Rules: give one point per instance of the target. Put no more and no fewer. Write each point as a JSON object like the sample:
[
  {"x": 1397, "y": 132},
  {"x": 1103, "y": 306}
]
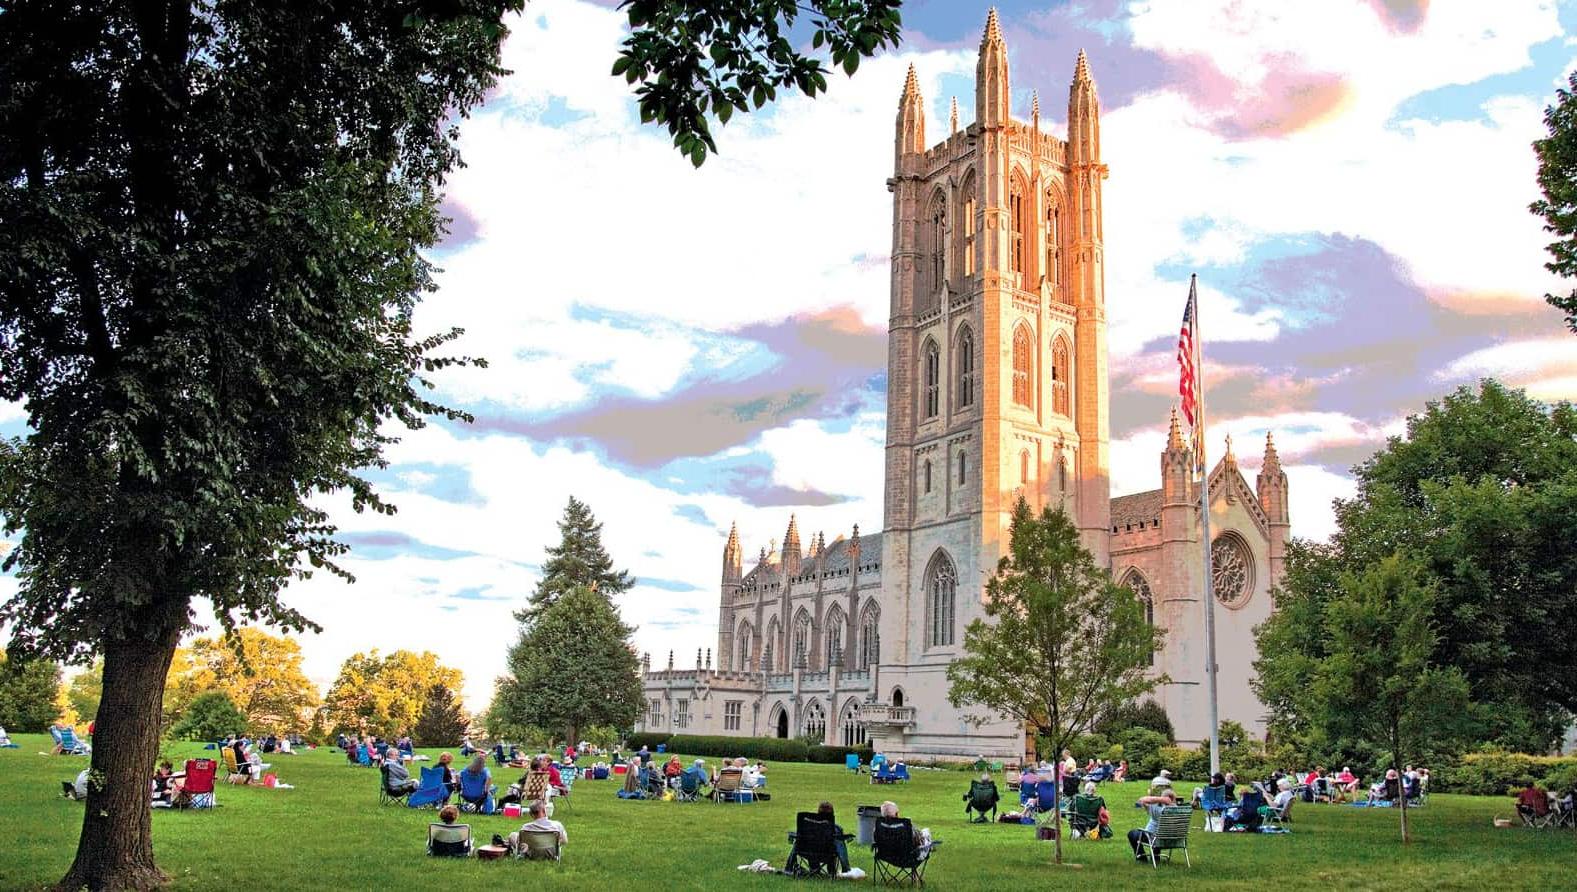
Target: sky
[{"x": 684, "y": 349}]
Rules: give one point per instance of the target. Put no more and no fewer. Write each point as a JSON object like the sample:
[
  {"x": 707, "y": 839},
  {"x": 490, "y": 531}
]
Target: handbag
[{"x": 1104, "y": 818}]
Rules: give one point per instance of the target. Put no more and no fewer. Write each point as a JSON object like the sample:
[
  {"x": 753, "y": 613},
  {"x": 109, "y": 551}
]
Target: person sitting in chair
[
  {"x": 1246, "y": 813},
  {"x": 450, "y": 775},
  {"x": 1154, "y": 804},
  {"x": 540, "y": 821},
  {"x": 166, "y": 786},
  {"x": 1388, "y": 790},
  {"x": 825, "y": 811},
  {"x": 921, "y": 837},
  {"x": 396, "y": 779}
]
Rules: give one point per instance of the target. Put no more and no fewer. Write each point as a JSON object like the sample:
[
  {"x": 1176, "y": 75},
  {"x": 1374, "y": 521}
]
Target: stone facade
[{"x": 997, "y": 388}]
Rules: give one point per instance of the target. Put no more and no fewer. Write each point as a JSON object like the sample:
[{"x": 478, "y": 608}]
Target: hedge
[
  {"x": 1496, "y": 774},
  {"x": 773, "y": 748},
  {"x": 837, "y": 755},
  {"x": 651, "y": 741}
]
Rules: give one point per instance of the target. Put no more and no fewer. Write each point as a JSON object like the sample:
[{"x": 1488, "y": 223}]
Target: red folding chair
[{"x": 198, "y": 790}]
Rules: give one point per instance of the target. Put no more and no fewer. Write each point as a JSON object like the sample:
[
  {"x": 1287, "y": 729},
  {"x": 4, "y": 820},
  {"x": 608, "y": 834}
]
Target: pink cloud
[
  {"x": 1287, "y": 100},
  {"x": 1401, "y": 16}
]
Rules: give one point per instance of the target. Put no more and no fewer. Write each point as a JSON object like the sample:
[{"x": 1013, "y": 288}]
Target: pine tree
[
  {"x": 442, "y": 722},
  {"x": 572, "y": 668},
  {"x": 578, "y": 561}
]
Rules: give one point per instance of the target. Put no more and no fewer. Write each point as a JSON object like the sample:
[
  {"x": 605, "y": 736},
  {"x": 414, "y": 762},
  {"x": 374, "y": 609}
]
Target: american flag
[{"x": 1188, "y": 376}]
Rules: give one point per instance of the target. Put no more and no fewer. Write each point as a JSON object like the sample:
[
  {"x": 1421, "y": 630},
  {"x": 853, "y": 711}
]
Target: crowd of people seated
[{"x": 1546, "y": 808}]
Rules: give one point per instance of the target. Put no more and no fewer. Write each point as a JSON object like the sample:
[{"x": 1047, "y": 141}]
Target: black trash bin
[{"x": 866, "y": 834}]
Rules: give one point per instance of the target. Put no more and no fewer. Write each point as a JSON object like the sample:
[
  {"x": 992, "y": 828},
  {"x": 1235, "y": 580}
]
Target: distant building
[{"x": 997, "y": 386}]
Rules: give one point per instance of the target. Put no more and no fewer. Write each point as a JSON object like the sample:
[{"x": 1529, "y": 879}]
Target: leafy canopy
[
  {"x": 29, "y": 694},
  {"x": 261, "y": 673},
  {"x": 700, "y": 60},
  {"x": 211, "y": 716},
  {"x": 1557, "y": 155},
  {"x": 572, "y": 668},
  {"x": 384, "y": 695}
]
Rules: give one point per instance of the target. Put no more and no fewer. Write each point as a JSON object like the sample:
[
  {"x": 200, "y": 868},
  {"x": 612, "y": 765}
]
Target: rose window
[{"x": 1232, "y": 570}]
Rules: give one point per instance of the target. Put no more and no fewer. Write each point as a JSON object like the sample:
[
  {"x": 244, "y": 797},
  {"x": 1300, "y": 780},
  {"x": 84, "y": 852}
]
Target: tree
[
  {"x": 578, "y": 561},
  {"x": 1068, "y": 644},
  {"x": 573, "y": 667},
  {"x": 211, "y": 716},
  {"x": 261, "y": 673},
  {"x": 86, "y": 689},
  {"x": 29, "y": 690},
  {"x": 697, "y": 60},
  {"x": 1381, "y": 680},
  {"x": 212, "y": 219},
  {"x": 1478, "y": 491},
  {"x": 384, "y": 695},
  {"x": 442, "y": 722},
  {"x": 1557, "y": 155}
]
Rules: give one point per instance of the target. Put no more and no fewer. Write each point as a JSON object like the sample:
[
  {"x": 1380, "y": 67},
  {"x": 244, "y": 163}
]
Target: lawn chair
[
  {"x": 449, "y": 840},
  {"x": 1043, "y": 801},
  {"x": 1277, "y": 817},
  {"x": 898, "y": 858},
  {"x": 982, "y": 797},
  {"x": 363, "y": 755},
  {"x": 877, "y": 762},
  {"x": 197, "y": 791},
  {"x": 1565, "y": 811},
  {"x": 690, "y": 783},
  {"x": 539, "y": 785},
  {"x": 1414, "y": 790},
  {"x": 1539, "y": 815},
  {"x": 538, "y": 845},
  {"x": 729, "y": 782},
  {"x": 432, "y": 790},
  {"x": 234, "y": 773},
  {"x": 1085, "y": 817},
  {"x": 476, "y": 793},
  {"x": 71, "y": 745},
  {"x": 815, "y": 846},
  {"x": 1171, "y": 834},
  {"x": 1213, "y": 802},
  {"x": 851, "y": 761},
  {"x": 387, "y": 796}
]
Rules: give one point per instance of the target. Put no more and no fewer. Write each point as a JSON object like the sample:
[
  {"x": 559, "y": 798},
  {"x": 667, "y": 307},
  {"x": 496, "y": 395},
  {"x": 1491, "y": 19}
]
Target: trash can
[{"x": 866, "y": 834}]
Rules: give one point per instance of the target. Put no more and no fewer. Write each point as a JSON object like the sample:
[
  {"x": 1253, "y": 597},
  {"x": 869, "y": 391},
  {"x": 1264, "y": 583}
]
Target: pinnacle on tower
[
  {"x": 911, "y": 85},
  {"x": 733, "y": 555},
  {"x": 991, "y": 76},
  {"x": 994, "y": 29},
  {"x": 1034, "y": 107},
  {"x": 1272, "y": 459},
  {"x": 1229, "y": 458},
  {"x": 1174, "y": 434},
  {"x": 911, "y": 117},
  {"x": 953, "y": 117},
  {"x": 1081, "y": 70}
]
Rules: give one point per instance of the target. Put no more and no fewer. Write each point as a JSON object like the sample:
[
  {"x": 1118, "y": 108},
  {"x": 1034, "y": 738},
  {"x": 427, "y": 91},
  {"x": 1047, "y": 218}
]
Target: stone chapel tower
[{"x": 997, "y": 379}]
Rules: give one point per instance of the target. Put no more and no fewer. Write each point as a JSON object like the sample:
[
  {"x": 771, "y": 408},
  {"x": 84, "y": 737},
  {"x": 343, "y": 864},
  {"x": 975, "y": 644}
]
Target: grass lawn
[{"x": 330, "y": 833}]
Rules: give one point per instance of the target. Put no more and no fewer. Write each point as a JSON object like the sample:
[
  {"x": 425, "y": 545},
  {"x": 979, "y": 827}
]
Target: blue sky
[{"x": 685, "y": 349}]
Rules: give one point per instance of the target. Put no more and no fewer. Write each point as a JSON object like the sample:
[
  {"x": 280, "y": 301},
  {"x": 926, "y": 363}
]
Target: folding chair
[
  {"x": 1084, "y": 817},
  {"x": 234, "y": 774},
  {"x": 814, "y": 850},
  {"x": 898, "y": 858},
  {"x": 71, "y": 745},
  {"x": 476, "y": 792},
  {"x": 1043, "y": 802},
  {"x": 727, "y": 787},
  {"x": 387, "y": 796},
  {"x": 431, "y": 791},
  {"x": 1277, "y": 817},
  {"x": 197, "y": 790},
  {"x": 1213, "y": 802},
  {"x": 1565, "y": 811},
  {"x": 449, "y": 840},
  {"x": 982, "y": 797},
  {"x": 363, "y": 755},
  {"x": 690, "y": 783},
  {"x": 538, "y": 844},
  {"x": 1171, "y": 834},
  {"x": 851, "y": 761},
  {"x": 538, "y": 786},
  {"x": 1539, "y": 816}
]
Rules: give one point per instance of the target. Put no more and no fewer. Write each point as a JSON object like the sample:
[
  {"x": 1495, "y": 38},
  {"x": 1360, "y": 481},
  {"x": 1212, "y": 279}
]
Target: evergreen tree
[
  {"x": 572, "y": 668},
  {"x": 578, "y": 561},
  {"x": 1067, "y": 643},
  {"x": 442, "y": 722},
  {"x": 1558, "y": 181},
  {"x": 29, "y": 691}
]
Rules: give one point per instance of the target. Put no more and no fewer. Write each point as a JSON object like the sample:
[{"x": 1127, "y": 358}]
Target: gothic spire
[
  {"x": 1084, "y": 116},
  {"x": 911, "y": 116},
  {"x": 1034, "y": 107},
  {"x": 1229, "y": 458},
  {"x": 792, "y": 553},
  {"x": 1081, "y": 70},
  {"x": 1272, "y": 460},
  {"x": 953, "y": 117},
  {"x": 992, "y": 105},
  {"x": 733, "y": 555},
  {"x": 1174, "y": 434}
]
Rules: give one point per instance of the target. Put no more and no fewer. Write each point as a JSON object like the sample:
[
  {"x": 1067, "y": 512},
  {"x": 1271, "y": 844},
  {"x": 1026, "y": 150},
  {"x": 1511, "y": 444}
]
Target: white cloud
[{"x": 10, "y": 412}]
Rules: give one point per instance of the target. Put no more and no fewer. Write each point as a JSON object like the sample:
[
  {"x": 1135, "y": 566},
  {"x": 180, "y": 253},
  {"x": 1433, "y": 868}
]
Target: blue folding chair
[
  {"x": 1045, "y": 800},
  {"x": 432, "y": 790},
  {"x": 476, "y": 792},
  {"x": 1213, "y": 801},
  {"x": 70, "y": 745},
  {"x": 363, "y": 757},
  {"x": 851, "y": 761}
]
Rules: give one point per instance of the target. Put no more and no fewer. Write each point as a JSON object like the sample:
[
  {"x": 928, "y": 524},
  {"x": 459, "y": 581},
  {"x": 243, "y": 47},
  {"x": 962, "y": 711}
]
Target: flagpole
[{"x": 1204, "y": 523}]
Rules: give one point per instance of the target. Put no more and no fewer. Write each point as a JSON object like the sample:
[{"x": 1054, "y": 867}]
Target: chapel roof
[{"x": 1139, "y": 507}]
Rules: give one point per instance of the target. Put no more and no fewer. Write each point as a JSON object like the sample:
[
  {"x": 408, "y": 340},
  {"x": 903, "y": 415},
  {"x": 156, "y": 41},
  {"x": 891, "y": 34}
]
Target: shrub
[
  {"x": 1148, "y": 714},
  {"x": 210, "y": 716},
  {"x": 1185, "y": 762},
  {"x": 835, "y": 755},
  {"x": 1142, "y": 749},
  {"x": 770, "y": 748},
  {"x": 1090, "y": 746},
  {"x": 634, "y": 742},
  {"x": 1496, "y": 773}
]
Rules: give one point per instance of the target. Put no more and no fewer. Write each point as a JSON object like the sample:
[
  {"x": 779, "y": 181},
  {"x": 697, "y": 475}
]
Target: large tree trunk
[{"x": 116, "y": 847}]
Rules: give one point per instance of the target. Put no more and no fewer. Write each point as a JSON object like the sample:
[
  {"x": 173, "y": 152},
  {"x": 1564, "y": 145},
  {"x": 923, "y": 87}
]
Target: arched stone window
[
  {"x": 1059, "y": 377},
  {"x": 849, "y": 724},
  {"x": 769, "y": 648},
  {"x": 898, "y": 697},
  {"x": 941, "y": 587},
  {"x": 815, "y": 721},
  {"x": 1017, "y": 212},
  {"x": 802, "y": 640},
  {"x": 936, "y": 245},
  {"x": 1053, "y": 238},
  {"x": 967, "y": 245},
  {"x": 833, "y": 633},
  {"x": 870, "y": 638},
  {"x": 746, "y": 647},
  {"x": 1023, "y": 365},
  {"x": 933, "y": 379},
  {"x": 1141, "y": 587},
  {"x": 965, "y": 353},
  {"x": 1231, "y": 569}
]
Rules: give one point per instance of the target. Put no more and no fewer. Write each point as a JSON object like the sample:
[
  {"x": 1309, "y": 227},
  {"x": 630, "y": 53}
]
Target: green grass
[{"x": 329, "y": 832}]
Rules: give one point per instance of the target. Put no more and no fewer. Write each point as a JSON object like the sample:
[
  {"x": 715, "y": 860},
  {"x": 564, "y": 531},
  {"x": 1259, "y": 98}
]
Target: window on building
[
  {"x": 969, "y": 228},
  {"x": 933, "y": 379},
  {"x": 1141, "y": 587},
  {"x": 870, "y": 640},
  {"x": 963, "y": 465},
  {"x": 802, "y": 640},
  {"x": 1023, "y": 466},
  {"x": 966, "y": 368},
  {"x": 655, "y": 714},
  {"x": 1016, "y": 213},
  {"x": 746, "y": 648},
  {"x": 815, "y": 721},
  {"x": 942, "y": 593},
  {"x": 1023, "y": 365},
  {"x": 681, "y": 713},
  {"x": 733, "y": 710},
  {"x": 925, "y": 472},
  {"x": 769, "y": 648},
  {"x": 1053, "y": 239},
  {"x": 938, "y": 243},
  {"x": 849, "y": 723},
  {"x": 1059, "y": 377},
  {"x": 834, "y": 636}
]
